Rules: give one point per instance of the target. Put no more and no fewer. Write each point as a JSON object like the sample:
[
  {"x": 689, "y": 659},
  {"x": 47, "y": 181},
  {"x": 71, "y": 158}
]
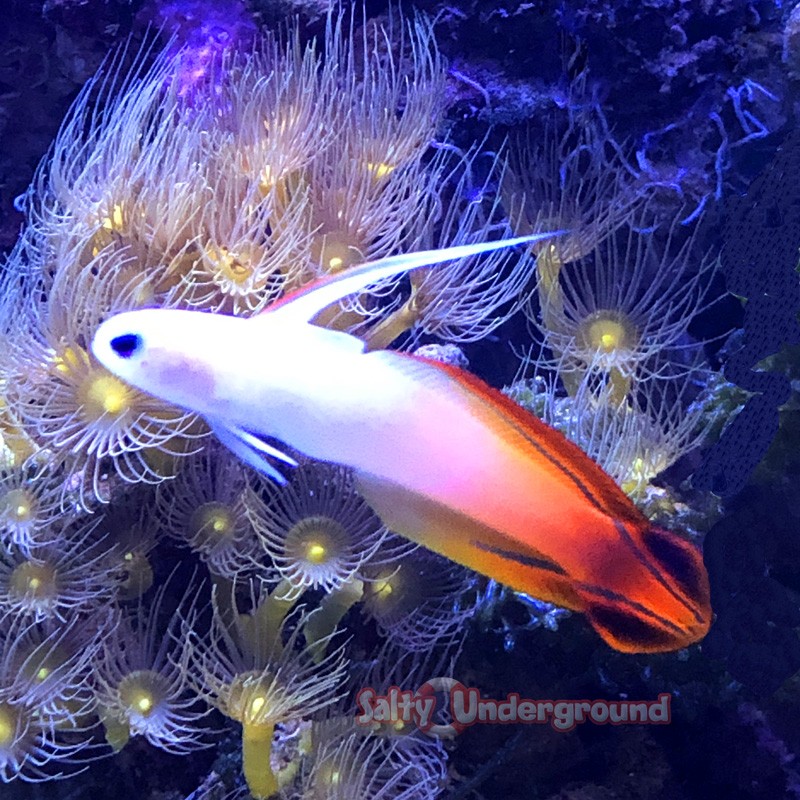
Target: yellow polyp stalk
[
  {"x": 395, "y": 325},
  {"x": 334, "y": 318},
  {"x": 257, "y": 759},
  {"x": 322, "y": 623},
  {"x": 278, "y": 604},
  {"x": 619, "y": 387},
  {"x": 14, "y": 438},
  {"x": 261, "y": 629},
  {"x": 117, "y": 733},
  {"x": 19, "y": 446},
  {"x": 551, "y": 301},
  {"x": 224, "y": 596}
]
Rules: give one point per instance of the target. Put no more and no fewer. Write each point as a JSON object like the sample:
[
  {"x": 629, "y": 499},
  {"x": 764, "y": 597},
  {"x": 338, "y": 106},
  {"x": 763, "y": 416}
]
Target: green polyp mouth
[
  {"x": 212, "y": 523},
  {"x": 316, "y": 540},
  {"x": 8, "y": 724},
  {"x": 608, "y": 335},
  {"x": 34, "y": 580},
  {"x": 18, "y": 506}
]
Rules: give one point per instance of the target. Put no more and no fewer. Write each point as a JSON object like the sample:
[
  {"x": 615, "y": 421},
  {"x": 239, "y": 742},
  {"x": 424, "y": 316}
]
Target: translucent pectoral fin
[{"x": 251, "y": 449}]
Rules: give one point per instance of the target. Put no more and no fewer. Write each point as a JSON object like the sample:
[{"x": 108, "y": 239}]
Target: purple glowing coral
[{"x": 202, "y": 32}]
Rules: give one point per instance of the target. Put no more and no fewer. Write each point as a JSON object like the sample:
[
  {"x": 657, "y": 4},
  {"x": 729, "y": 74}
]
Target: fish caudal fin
[{"x": 634, "y": 622}]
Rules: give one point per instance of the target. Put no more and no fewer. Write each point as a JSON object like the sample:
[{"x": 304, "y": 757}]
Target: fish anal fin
[{"x": 468, "y": 542}]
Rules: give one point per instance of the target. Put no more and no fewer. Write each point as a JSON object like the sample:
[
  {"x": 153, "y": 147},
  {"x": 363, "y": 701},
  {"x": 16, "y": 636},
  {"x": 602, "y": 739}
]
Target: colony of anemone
[
  {"x": 141, "y": 684},
  {"x": 222, "y": 190},
  {"x": 612, "y": 364}
]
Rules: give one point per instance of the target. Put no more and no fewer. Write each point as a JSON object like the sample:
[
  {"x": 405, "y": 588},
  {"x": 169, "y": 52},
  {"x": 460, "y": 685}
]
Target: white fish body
[{"x": 277, "y": 375}]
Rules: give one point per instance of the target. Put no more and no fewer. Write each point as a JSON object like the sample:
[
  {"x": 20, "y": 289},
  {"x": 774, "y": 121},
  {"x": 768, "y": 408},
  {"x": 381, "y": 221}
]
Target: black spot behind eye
[{"x": 127, "y": 345}]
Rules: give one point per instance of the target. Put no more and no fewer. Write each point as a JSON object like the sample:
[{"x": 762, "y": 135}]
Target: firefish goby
[{"x": 443, "y": 458}]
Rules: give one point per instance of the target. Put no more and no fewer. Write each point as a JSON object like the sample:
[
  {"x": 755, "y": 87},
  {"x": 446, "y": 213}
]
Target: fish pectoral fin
[{"x": 251, "y": 448}]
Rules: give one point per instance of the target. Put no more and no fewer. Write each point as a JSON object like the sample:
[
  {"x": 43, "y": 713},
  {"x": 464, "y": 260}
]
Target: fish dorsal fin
[
  {"x": 251, "y": 449},
  {"x": 304, "y": 304}
]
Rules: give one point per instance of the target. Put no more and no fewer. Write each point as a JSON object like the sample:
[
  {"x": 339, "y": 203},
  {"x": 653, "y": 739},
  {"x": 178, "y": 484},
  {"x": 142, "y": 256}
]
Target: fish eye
[{"x": 127, "y": 345}]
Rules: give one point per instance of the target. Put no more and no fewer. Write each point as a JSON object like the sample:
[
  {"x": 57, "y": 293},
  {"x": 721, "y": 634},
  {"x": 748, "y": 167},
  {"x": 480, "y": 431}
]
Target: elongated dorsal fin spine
[{"x": 304, "y": 304}]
